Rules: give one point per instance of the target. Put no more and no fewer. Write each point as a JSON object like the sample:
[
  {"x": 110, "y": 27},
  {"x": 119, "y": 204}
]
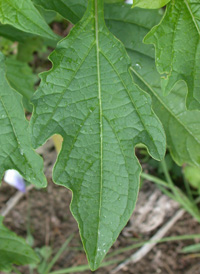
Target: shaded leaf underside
[
  {"x": 70, "y": 9},
  {"x": 22, "y": 79},
  {"x": 90, "y": 99}
]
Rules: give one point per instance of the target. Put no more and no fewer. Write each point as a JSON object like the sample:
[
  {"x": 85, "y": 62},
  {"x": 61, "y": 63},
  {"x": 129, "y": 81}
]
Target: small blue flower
[
  {"x": 13, "y": 178},
  {"x": 129, "y": 2}
]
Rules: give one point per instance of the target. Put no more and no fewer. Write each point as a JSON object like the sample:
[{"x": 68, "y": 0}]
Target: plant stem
[
  {"x": 188, "y": 190},
  {"x": 166, "y": 173},
  {"x": 179, "y": 196},
  {"x": 154, "y": 180},
  {"x": 166, "y": 239},
  {"x": 58, "y": 254}
]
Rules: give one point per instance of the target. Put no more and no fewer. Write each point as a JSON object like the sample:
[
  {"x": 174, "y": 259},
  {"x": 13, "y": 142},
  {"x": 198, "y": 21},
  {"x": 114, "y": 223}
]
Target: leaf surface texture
[
  {"x": 89, "y": 98},
  {"x": 153, "y": 4}
]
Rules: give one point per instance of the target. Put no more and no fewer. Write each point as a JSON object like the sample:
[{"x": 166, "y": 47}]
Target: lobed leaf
[
  {"x": 14, "y": 250},
  {"x": 15, "y": 146},
  {"x": 177, "y": 42},
  {"x": 89, "y": 98},
  {"x": 182, "y": 127},
  {"x": 153, "y": 4},
  {"x": 24, "y": 16}
]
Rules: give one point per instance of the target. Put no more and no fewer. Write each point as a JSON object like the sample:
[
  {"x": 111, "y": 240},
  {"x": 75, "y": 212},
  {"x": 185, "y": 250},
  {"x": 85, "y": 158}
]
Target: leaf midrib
[{"x": 100, "y": 116}]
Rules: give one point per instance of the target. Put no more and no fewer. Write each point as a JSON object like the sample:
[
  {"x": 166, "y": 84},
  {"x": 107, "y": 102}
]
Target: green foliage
[
  {"x": 47, "y": 262},
  {"x": 90, "y": 99},
  {"x": 72, "y": 10},
  {"x": 22, "y": 79},
  {"x": 192, "y": 174},
  {"x": 180, "y": 124},
  {"x": 28, "y": 47},
  {"x": 48, "y": 15},
  {"x": 191, "y": 248},
  {"x": 114, "y": 1},
  {"x": 177, "y": 40},
  {"x": 13, "y": 34},
  {"x": 15, "y": 147},
  {"x": 24, "y": 16},
  {"x": 153, "y": 4},
  {"x": 14, "y": 250}
]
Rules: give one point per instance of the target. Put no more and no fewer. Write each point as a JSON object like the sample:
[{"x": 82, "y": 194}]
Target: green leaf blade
[
  {"x": 71, "y": 10},
  {"x": 15, "y": 146},
  {"x": 153, "y": 4},
  {"x": 24, "y": 16},
  {"x": 13, "y": 34},
  {"x": 90, "y": 99},
  {"x": 14, "y": 250},
  {"x": 177, "y": 59},
  {"x": 22, "y": 79}
]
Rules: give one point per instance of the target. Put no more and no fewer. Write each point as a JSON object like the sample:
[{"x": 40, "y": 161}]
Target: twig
[
  {"x": 13, "y": 201},
  {"x": 143, "y": 251}
]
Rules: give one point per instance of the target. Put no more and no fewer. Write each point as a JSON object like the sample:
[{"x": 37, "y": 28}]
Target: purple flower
[{"x": 13, "y": 178}]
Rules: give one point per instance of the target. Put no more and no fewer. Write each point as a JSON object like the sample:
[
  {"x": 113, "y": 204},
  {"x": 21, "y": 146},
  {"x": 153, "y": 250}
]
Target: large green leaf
[
  {"x": 182, "y": 127},
  {"x": 15, "y": 146},
  {"x": 24, "y": 16},
  {"x": 177, "y": 42},
  {"x": 22, "y": 79},
  {"x": 153, "y": 4},
  {"x": 90, "y": 99},
  {"x": 14, "y": 250}
]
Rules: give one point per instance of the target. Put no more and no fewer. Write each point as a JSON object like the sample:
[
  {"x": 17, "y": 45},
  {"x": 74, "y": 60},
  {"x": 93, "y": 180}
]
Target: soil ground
[{"x": 47, "y": 214}]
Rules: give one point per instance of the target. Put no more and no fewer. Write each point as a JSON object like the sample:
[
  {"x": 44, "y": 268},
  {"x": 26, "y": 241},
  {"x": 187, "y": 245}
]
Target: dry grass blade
[{"x": 143, "y": 251}]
